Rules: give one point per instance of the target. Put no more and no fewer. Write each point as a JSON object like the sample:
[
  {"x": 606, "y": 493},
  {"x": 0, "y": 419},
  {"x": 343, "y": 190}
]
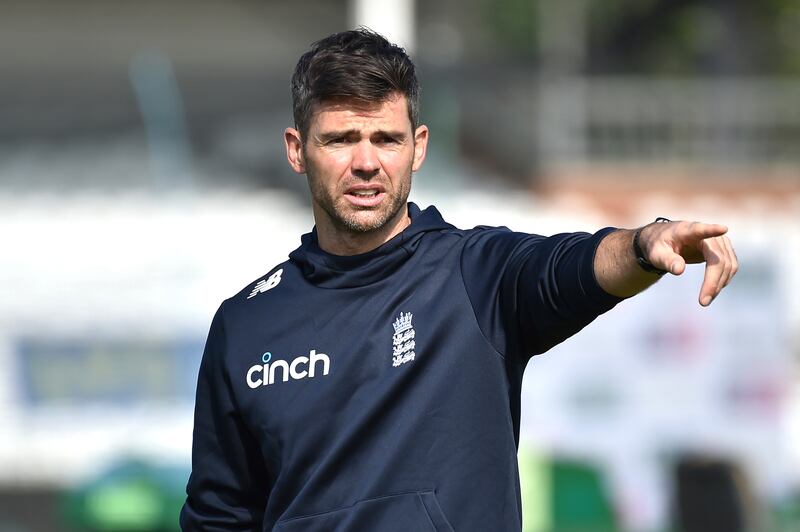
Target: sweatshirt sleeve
[
  {"x": 531, "y": 292},
  {"x": 228, "y": 486}
]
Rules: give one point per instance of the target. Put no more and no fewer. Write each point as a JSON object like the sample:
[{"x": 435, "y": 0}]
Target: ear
[
  {"x": 294, "y": 150},
  {"x": 420, "y": 147}
]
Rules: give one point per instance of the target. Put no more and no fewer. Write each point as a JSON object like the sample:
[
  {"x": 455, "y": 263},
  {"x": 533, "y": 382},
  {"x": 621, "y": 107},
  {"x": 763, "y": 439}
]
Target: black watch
[{"x": 637, "y": 250}]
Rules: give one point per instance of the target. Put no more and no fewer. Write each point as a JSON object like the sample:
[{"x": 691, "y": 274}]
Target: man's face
[{"x": 358, "y": 160}]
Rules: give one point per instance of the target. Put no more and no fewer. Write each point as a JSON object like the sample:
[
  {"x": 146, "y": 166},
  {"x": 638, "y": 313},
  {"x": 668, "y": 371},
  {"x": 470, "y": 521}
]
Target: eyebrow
[{"x": 330, "y": 135}]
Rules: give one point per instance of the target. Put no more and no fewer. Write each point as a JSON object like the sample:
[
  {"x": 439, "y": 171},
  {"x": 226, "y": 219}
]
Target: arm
[
  {"x": 667, "y": 246},
  {"x": 229, "y": 484},
  {"x": 530, "y": 292}
]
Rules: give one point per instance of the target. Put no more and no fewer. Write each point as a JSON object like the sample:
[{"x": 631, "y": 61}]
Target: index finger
[{"x": 703, "y": 230}]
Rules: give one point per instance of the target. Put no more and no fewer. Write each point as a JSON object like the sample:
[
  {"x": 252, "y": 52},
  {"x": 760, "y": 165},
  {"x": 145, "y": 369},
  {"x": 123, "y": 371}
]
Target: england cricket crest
[{"x": 403, "y": 339}]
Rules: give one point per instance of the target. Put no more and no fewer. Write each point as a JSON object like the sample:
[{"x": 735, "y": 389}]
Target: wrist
[{"x": 638, "y": 252}]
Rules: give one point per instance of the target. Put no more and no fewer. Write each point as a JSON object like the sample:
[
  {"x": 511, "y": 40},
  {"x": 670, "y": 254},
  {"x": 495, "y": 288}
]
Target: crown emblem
[
  {"x": 403, "y": 340},
  {"x": 402, "y": 323}
]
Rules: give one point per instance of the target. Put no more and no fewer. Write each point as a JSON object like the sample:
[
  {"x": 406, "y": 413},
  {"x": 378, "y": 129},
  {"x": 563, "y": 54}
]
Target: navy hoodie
[{"x": 381, "y": 391}]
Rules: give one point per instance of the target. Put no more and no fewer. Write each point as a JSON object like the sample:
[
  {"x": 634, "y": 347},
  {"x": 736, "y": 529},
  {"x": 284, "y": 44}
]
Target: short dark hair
[{"x": 359, "y": 65}]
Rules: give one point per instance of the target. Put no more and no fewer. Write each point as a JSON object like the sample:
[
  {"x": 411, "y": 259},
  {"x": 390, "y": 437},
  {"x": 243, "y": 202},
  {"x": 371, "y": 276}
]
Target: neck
[{"x": 337, "y": 241}]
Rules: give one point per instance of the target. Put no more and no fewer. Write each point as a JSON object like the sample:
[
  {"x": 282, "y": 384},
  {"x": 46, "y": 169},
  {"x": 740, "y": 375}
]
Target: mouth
[{"x": 365, "y": 195}]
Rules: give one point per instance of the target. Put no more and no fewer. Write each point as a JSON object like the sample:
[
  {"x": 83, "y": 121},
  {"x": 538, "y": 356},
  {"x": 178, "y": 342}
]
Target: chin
[
  {"x": 365, "y": 224},
  {"x": 366, "y": 221},
  {"x": 363, "y": 220}
]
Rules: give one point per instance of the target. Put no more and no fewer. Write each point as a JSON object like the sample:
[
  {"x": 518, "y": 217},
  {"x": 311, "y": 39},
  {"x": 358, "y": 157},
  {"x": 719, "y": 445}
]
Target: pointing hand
[{"x": 671, "y": 246}]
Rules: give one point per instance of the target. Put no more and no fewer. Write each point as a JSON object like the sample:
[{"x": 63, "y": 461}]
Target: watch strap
[{"x": 643, "y": 263}]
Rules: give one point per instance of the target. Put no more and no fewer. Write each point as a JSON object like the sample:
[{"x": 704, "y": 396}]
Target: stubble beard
[{"x": 350, "y": 218}]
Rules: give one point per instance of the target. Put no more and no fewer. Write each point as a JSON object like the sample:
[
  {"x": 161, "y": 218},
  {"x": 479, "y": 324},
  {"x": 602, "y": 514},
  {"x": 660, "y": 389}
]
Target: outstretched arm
[{"x": 670, "y": 247}]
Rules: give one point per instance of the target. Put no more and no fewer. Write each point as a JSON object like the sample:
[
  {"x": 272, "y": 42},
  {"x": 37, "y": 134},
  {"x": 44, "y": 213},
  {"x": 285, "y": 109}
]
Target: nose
[{"x": 365, "y": 162}]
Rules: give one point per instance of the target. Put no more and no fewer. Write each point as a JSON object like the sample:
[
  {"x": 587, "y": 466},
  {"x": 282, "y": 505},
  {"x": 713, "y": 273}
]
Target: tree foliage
[{"x": 665, "y": 37}]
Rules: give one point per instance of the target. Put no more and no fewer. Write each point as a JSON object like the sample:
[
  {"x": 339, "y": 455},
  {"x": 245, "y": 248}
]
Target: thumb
[
  {"x": 676, "y": 265},
  {"x": 665, "y": 258}
]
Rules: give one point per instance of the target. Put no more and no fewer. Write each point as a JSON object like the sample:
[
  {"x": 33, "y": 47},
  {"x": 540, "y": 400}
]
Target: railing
[{"x": 734, "y": 121}]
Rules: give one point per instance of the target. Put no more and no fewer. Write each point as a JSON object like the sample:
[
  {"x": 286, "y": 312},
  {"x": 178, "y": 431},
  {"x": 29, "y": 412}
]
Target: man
[{"x": 372, "y": 381}]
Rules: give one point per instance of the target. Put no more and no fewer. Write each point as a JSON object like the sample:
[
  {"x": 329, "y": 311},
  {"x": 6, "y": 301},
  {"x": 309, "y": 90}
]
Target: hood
[{"x": 335, "y": 271}]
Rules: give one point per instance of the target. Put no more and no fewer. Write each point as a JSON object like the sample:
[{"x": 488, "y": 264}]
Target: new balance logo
[{"x": 266, "y": 284}]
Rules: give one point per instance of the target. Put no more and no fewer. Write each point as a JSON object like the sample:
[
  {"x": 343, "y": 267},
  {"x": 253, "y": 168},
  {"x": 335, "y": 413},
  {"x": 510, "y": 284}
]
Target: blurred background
[{"x": 143, "y": 180}]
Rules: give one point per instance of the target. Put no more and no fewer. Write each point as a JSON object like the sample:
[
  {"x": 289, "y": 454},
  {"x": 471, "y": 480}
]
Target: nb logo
[{"x": 266, "y": 284}]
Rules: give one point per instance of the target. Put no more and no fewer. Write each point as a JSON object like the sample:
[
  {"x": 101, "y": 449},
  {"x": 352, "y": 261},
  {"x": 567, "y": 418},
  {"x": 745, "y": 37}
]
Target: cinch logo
[{"x": 264, "y": 374}]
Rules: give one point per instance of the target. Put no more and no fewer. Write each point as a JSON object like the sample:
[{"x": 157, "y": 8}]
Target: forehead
[{"x": 391, "y": 113}]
